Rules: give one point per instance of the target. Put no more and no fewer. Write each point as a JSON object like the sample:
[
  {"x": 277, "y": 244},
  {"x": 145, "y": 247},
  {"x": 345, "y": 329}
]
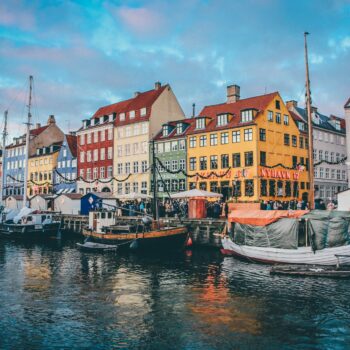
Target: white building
[{"x": 68, "y": 203}]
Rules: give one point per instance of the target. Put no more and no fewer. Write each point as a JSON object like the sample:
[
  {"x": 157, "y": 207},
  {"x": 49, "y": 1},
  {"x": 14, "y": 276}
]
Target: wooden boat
[
  {"x": 37, "y": 224},
  {"x": 138, "y": 234},
  {"x": 97, "y": 247},
  {"x": 301, "y": 255},
  {"x": 311, "y": 271}
]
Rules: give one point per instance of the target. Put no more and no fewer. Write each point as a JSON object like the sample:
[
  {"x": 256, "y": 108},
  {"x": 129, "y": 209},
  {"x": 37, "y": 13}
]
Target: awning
[{"x": 195, "y": 193}]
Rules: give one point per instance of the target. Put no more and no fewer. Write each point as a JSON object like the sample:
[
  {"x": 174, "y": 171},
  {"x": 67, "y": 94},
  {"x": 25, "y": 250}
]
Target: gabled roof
[
  {"x": 296, "y": 117},
  {"x": 173, "y": 134},
  {"x": 258, "y": 103},
  {"x": 72, "y": 144},
  {"x": 38, "y": 131},
  {"x": 141, "y": 100},
  {"x": 347, "y": 104}
]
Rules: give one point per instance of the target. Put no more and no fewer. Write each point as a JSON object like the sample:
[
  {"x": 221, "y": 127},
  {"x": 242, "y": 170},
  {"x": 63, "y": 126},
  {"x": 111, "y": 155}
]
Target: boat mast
[
  {"x": 4, "y": 136},
  {"x": 28, "y": 124},
  {"x": 310, "y": 133},
  {"x": 154, "y": 179}
]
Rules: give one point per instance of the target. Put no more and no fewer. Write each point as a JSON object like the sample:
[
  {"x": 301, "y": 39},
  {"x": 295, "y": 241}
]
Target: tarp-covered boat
[{"x": 290, "y": 237}]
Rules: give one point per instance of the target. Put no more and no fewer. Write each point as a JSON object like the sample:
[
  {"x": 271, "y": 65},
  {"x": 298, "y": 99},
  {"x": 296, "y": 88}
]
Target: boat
[
  {"x": 97, "y": 247},
  {"x": 29, "y": 224},
  {"x": 144, "y": 233},
  {"x": 311, "y": 271},
  {"x": 282, "y": 237}
]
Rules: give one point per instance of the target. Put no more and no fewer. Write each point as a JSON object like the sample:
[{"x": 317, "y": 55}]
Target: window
[
  {"x": 102, "y": 153},
  {"x": 120, "y": 168},
  {"x": 127, "y": 188},
  {"x": 236, "y": 160},
  {"x": 263, "y": 188},
  {"x": 110, "y": 134},
  {"x": 144, "y": 166},
  {"x": 128, "y": 131},
  {"x": 236, "y": 136},
  {"x": 295, "y": 161},
  {"x": 286, "y": 139},
  {"x": 88, "y": 156},
  {"x": 144, "y": 187},
  {"x": 249, "y": 188},
  {"x": 248, "y": 158},
  {"x": 102, "y": 135},
  {"x": 88, "y": 138},
  {"x": 222, "y": 119},
  {"x": 143, "y": 112},
  {"x": 136, "y": 167},
  {"x": 262, "y": 134},
  {"x": 213, "y": 162},
  {"x": 225, "y": 161},
  {"x": 338, "y": 174},
  {"x": 144, "y": 128},
  {"x": 320, "y": 155},
  {"x": 343, "y": 175},
  {"x": 246, "y": 116},
  {"x": 278, "y": 104},
  {"x": 82, "y": 139},
  {"x": 182, "y": 185},
  {"x": 179, "y": 128},
  {"x": 262, "y": 158},
  {"x": 120, "y": 151},
  {"x": 95, "y": 136},
  {"x": 182, "y": 164},
  {"x": 136, "y": 129},
  {"x": 174, "y": 146},
  {"x": 82, "y": 157},
  {"x": 248, "y": 134},
  {"x": 200, "y": 123},
  {"x": 294, "y": 141},
  {"x": 337, "y": 158},
  {"x": 102, "y": 172},
  {"x": 213, "y": 139},
  {"x": 332, "y": 173},
  {"x": 270, "y": 116},
  {"x": 88, "y": 174},
  {"x": 182, "y": 145},
  {"x": 122, "y": 116},
  {"x": 224, "y": 138},
  {"x": 167, "y": 146},
  {"x": 301, "y": 142},
  {"x": 286, "y": 119},
  {"x": 193, "y": 141},
  {"x": 165, "y": 130},
  {"x": 203, "y": 163},
  {"x": 95, "y": 155},
  {"x": 278, "y": 118},
  {"x": 167, "y": 165},
  {"x": 321, "y": 173},
  {"x": 326, "y": 153},
  {"x": 193, "y": 163},
  {"x": 127, "y": 168},
  {"x": 174, "y": 185},
  {"x": 327, "y": 173},
  {"x": 202, "y": 141},
  {"x": 135, "y": 187},
  {"x": 132, "y": 114},
  {"x": 110, "y": 153},
  {"x": 174, "y": 165}
]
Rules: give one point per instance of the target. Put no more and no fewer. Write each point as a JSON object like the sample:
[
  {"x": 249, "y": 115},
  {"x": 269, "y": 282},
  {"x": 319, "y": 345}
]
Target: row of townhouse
[{"x": 248, "y": 149}]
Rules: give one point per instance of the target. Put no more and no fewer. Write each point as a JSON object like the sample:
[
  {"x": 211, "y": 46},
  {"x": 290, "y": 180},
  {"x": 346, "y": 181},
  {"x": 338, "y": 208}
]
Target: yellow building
[
  {"x": 41, "y": 168},
  {"x": 249, "y": 149}
]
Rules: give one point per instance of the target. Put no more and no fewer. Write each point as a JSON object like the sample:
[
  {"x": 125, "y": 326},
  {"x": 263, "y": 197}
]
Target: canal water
[{"x": 53, "y": 296}]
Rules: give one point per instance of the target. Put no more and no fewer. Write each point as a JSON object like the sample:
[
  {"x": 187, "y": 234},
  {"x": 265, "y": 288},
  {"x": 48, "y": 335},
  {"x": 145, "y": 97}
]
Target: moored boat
[{"x": 311, "y": 271}]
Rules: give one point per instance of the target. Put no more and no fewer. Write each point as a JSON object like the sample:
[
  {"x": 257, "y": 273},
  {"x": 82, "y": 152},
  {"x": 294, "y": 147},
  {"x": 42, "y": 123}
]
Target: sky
[{"x": 87, "y": 54}]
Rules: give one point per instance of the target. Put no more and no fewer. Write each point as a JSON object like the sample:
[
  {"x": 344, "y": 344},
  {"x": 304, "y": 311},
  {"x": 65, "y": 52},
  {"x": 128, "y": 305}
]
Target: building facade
[
  {"x": 329, "y": 145},
  {"x": 249, "y": 150},
  {"x": 95, "y": 154},
  {"x": 137, "y": 121},
  {"x": 41, "y": 170},
  {"x": 347, "y": 122},
  {"x": 171, "y": 149},
  {"x": 14, "y": 161},
  {"x": 66, "y": 166}
]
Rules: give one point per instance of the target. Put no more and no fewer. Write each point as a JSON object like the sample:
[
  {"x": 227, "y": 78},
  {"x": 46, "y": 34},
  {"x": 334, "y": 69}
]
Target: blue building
[
  {"x": 66, "y": 165},
  {"x": 97, "y": 200}
]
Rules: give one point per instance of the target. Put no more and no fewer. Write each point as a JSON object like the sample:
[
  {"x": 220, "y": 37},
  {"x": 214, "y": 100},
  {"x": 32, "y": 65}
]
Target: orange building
[{"x": 249, "y": 149}]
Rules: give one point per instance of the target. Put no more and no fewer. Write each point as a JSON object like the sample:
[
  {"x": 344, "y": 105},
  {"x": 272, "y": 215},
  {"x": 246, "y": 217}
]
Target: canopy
[
  {"x": 134, "y": 195},
  {"x": 196, "y": 193},
  {"x": 23, "y": 212},
  {"x": 263, "y": 217}
]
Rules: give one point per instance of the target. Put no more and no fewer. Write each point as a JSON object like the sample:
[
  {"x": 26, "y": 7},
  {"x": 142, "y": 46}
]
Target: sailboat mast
[
  {"x": 310, "y": 129},
  {"x": 28, "y": 124},
  {"x": 4, "y": 136},
  {"x": 154, "y": 179}
]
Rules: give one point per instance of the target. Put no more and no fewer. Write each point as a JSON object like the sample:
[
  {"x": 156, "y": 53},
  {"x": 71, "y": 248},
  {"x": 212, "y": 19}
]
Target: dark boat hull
[
  {"x": 164, "y": 240},
  {"x": 30, "y": 231}
]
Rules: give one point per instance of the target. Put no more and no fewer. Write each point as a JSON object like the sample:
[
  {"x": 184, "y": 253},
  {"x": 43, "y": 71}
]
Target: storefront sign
[{"x": 279, "y": 174}]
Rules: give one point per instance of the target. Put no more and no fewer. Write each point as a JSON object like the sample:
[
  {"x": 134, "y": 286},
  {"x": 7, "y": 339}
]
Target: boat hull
[
  {"x": 30, "y": 231},
  {"x": 172, "y": 239},
  {"x": 302, "y": 255}
]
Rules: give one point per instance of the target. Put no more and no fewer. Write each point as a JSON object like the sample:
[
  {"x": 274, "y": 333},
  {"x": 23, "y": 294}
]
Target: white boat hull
[{"x": 302, "y": 255}]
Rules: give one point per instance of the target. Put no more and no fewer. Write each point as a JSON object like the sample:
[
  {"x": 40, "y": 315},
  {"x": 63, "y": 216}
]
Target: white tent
[
  {"x": 134, "y": 196},
  {"x": 196, "y": 193}
]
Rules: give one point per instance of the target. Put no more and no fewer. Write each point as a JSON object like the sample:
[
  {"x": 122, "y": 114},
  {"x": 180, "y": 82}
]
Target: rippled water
[{"x": 54, "y": 296}]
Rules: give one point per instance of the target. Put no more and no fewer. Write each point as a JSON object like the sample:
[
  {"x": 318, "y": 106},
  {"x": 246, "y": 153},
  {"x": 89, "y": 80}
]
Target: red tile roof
[
  {"x": 142, "y": 100},
  {"x": 72, "y": 144},
  {"x": 36, "y": 132},
  {"x": 258, "y": 102},
  {"x": 296, "y": 117},
  {"x": 173, "y": 134}
]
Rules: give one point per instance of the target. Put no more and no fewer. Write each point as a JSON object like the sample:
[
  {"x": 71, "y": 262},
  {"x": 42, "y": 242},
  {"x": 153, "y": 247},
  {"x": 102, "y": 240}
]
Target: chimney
[
  {"x": 37, "y": 125},
  {"x": 136, "y": 93},
  {"x": 157, "y": 85},
  {"x": 193, "y": 110},
  {"x": 51, "y": 120},
  {"x": 291, "y": 104},
  {"x": 233, "y": 93}
]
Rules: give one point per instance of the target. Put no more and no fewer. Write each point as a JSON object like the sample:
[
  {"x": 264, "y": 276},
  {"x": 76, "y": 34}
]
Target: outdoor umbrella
[
  {"x": 196, "y": 193},
  {"x": 134, "y": 195}
]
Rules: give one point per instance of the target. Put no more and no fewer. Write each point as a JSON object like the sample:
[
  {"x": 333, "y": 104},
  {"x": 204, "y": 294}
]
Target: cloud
[{"x": 15, "y": 15}]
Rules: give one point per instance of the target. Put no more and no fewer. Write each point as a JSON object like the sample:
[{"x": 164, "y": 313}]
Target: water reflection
[{"x": 56, "y": 296}]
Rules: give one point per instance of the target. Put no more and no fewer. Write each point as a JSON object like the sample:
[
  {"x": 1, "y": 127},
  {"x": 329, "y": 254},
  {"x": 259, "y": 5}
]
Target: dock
[{"x": 204, "y": 232}]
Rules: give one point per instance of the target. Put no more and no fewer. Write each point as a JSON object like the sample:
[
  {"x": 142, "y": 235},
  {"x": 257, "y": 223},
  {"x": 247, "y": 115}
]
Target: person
[
  {"x": 330, "y": 206},
  {"x": 226, "y": 210}
]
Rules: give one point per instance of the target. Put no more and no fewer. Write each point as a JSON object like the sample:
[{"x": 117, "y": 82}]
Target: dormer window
[
  {"x": 179, "y": 128},
  {"x": 301, "y": 126},
  {"x": 337, "y": 125},
  {"x": 132, "y": 114},
  {"x": 110, "y": 118},
  {"x": 101, "y": 120},
  {"x": 122, "y": 116},
  {"x": 246, "y": 115},
  {"x": 165, "y": 130},
  {"x": 200, "y": 123},
  {"x": 143, "y": 112},
  {"x": 222, "y": 120}
]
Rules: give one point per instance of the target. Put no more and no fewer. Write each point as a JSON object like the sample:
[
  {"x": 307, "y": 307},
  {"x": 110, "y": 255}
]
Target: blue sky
[{"x": 85, "y": 54}]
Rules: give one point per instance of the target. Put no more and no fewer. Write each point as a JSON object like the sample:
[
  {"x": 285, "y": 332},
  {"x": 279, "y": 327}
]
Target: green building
[{"x": 171, "y": 149}]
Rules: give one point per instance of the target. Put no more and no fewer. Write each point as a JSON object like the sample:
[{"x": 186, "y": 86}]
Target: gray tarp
[
  {"x": 328, "y": 229},
  {"x": 280, "y": 234}
]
